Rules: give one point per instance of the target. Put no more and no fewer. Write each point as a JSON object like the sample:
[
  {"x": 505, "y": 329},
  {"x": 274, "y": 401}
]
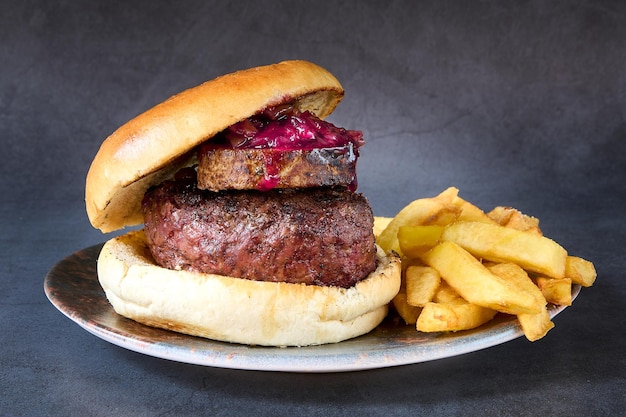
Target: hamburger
[{"x": 253, "y": 231}]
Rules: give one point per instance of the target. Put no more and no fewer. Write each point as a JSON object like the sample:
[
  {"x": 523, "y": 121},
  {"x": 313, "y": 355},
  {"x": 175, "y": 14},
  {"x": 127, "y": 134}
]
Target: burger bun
[{"x": 239, "y": 310}]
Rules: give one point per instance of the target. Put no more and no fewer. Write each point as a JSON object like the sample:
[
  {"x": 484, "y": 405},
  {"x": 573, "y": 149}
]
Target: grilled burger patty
[
  {"x": 264, "y": 169},
  {"x": 319, "y": 236},
  {"x": 280, "y": 148}
]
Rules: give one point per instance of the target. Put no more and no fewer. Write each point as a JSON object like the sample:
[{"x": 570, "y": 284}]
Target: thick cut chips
[
  {"x": 438, "y": 317},
  {"x": 475, "y": 283},
  {"x": 422, "y": 283},
  {"x": 426, "y": 211},
  {"x": 535, "y": 326},
  {"x": 503, "y": 244},
  {"x": 462, "y": 265}
]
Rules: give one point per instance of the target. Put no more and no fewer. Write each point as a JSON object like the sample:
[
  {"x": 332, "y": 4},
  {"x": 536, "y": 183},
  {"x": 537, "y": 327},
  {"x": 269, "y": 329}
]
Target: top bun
[{"x": 154, "y": 145}]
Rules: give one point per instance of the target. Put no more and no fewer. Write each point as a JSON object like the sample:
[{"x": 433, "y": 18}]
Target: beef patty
[
  {"x": 318, "y": 236},
  {"x": 264, "y": 169},
  {"x": 280, "y": 147}
]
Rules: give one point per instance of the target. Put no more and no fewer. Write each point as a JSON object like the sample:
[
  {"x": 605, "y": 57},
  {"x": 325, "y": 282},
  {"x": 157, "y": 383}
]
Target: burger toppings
[
  {"x": 272, "y": 199},
  {"x": 285, "y": 128},
  {"x": 280, "y": 148},
  {"x": 317, "y": 236}
]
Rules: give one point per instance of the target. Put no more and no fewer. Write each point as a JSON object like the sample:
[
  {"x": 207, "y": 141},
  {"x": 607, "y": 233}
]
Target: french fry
[
  {"x": 502, "y": 244},
  {"x": 414, "y": 241},
  {"x": 475, "y": 283},
  {"x": 421, "y": 284},
  {"x": 462, "y": 265},
  {"x": 513, "y": 218},
  {"x": 407, "y": 312},
  {"x": 444, "y": 216},
  {"x": 380, "y": 223},
  {"x": 580, "y": 271},
  {"x": 424, "y": 211},
  {"x": 501, "y": 214},
  {"x": 437, "y": 317},
  {"x": 514, "y": 274},
  {"x": 471, "y": 213},
  {"x": 445, "y": 294},
  {"x": 534, "y": 326},
  {"x": 556, "y": 291}
]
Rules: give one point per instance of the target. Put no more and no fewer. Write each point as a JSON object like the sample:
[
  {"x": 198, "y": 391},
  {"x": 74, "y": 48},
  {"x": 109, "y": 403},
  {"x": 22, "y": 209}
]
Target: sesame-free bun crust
[
  {"x": 154, "y": 145},
  {"x": 239, "y": 310}
]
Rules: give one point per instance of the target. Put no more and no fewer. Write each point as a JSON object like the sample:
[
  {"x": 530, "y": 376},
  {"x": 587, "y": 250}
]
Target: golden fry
[
  {"x": 380, "y": 223},
  {"x": 419, "y": 212},
  {"x": 471, "y": 213},
  {"x": 514, "y": 274},
  {"x": 502, "y": 244},
  {"x": 513, "y": 218},
  {"x": 556, "y": 291},
  {"x": 436, "y": 317},
  {"x": 535, "y": 326},
  {"x": 416, "y": 240},
  {"x": 422, "y": 283},
  {"x": 462, "y": 265},
  {"x": 408, "y": 313},
  {"x": 475, "y": 283},
  {"x": 580, "y": 271},
  {"x": 445, "y": 294}
]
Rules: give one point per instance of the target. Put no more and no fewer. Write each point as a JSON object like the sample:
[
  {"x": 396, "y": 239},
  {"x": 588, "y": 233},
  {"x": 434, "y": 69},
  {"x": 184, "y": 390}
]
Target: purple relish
[{"x": 285, "y": 128}]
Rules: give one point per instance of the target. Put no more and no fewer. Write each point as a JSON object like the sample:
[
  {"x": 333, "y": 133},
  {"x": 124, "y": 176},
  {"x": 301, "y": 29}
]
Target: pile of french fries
[{"x": 461, "y": 266}]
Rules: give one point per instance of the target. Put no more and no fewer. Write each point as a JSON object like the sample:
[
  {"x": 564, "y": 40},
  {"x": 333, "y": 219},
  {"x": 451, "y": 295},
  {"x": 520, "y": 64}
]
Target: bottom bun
[{"x": 239, "y": 310}]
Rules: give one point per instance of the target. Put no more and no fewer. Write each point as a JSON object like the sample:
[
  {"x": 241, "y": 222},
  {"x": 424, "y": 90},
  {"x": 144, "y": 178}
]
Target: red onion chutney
[{"x": 282, "y": 129}]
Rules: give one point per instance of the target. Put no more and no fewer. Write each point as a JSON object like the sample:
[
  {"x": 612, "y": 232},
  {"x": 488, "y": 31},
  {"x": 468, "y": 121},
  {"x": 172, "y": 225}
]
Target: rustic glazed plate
[{"x": 72, "y": 287}]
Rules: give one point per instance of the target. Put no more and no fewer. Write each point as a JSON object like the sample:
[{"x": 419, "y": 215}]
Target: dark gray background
[{"x": 516, "y": 103}]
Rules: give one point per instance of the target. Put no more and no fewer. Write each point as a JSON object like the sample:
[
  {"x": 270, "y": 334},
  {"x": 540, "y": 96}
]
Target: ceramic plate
[{"x": 72, "y": 287}]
